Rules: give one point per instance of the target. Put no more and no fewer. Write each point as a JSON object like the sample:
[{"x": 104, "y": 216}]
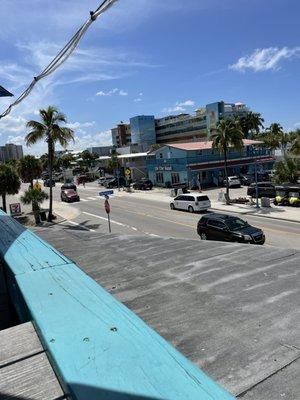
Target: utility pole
[{"x": 256, "y": 187}]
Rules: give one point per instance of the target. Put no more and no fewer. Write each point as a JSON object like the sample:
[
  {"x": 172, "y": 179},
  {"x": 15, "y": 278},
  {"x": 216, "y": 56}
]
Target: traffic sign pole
[
  {"x": 108, "y": 219},
  {"x": 107, "y": 209}
]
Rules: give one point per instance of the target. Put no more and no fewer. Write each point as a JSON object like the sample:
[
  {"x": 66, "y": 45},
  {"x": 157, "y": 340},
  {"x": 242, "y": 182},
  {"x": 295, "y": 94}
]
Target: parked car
[
  {"x": 47, "y": 183},
  {"x": 265, "y": 189},
  {"x": 69, "y": 195},
  {"x": 112, "y": 183},
  {"x": 228, "y": 228},
  {"x": 191, "y": 202},
  {"x": 66, "y": 186},
  {"x": 143, "y": 184},
  {"x": 233, "y": 181},
  {"x": 104, "y": 179},
  {"x": 245, "y": 180}
]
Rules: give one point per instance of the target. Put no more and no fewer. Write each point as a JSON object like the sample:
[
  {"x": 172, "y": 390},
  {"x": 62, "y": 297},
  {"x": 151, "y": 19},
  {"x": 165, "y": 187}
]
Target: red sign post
[{"x": 107, "y": 209}]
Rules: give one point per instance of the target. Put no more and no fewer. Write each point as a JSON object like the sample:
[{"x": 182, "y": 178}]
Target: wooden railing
[{"x": 98, "y": 348}]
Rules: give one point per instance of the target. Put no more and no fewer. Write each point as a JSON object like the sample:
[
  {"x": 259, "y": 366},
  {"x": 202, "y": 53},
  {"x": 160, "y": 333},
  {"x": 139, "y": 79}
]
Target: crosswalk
[{"x": 90, "y": 198}]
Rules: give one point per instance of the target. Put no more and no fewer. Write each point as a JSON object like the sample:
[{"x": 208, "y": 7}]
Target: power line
[{"x": 63, "y": 55}]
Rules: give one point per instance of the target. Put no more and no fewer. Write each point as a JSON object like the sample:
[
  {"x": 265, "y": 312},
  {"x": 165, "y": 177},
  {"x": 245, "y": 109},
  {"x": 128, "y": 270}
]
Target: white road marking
[
  {"x": 77, "y": 224},
  {"x": 105, "y": 219},
  {"x": 91, "y": 198},
  {"x": 83, "y": 199}
]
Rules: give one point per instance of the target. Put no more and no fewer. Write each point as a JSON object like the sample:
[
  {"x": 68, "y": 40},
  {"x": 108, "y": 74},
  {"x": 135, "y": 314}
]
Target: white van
[{"x": 190, "y": 202}]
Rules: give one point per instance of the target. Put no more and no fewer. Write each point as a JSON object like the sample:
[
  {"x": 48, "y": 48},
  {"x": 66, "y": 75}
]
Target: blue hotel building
[{"x": 194, "y": 162}]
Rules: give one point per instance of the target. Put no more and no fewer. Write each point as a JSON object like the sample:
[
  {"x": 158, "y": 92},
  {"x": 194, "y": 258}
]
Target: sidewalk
[{"x": 276, "y": 212}]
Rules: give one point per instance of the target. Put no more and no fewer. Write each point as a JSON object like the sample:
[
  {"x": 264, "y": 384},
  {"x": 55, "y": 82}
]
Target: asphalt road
[{"x": 132, "y": 215}]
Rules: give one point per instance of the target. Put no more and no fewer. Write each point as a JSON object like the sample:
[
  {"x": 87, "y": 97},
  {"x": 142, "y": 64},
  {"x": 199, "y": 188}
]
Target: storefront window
[
  {"x": 175, "y": 177},
  {"x": 159, "y": 177}
]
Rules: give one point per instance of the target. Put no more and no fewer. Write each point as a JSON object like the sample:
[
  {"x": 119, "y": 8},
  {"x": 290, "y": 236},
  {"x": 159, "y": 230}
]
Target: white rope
[{"x": 63, "y": 55}]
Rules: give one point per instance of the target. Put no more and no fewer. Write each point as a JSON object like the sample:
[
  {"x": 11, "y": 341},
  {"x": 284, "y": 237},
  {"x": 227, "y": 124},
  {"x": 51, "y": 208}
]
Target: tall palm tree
[
  {"x": 251, "y": 123},
  {"x": 295, "y": 143},
  {"x": 50, "y": 130},
  {"x": 227, "y": 134}
]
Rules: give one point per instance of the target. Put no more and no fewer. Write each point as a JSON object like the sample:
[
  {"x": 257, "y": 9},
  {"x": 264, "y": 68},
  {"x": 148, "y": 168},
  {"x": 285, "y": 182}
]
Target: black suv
[
  {"x": 113, "y": 183},
  {"x": 228, "y": 228},
  {"x": 265, "y": 189},
  {"x": 143, "y": 184}
]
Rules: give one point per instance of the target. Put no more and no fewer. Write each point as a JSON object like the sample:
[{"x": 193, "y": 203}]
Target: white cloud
[
  {"x": 174, "y": 109},
  {"x": 187, "y": 103},
  {"x": 179, "y": 106},
  {"x": 96, "y": 139},
  {"x": 137, "y": 99},
  {"x": 116, "y": 91},
  {"x": 80, "y": 125},
  {"x": 16, "y": 140},
  {"x": 265, "y": 59}
]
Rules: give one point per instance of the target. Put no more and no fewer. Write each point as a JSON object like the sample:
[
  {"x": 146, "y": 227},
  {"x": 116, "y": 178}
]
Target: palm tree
[
  {"x": 9, "y": 182},
  {"x": 275, "y": 138},
  {"x": 295, "y": 143},
  {"x": 29, "y": 169},
  {"x": 227, "y": 134},
  {"x": 251, "y": 123},
  {"x": 50, "y": 130},
  {"x": 287, "y": 170},
  {"x": 34, "y": 197}
]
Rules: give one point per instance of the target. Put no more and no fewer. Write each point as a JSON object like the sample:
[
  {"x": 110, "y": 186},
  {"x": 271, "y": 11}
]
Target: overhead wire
[{"x": 63, "y": 54}]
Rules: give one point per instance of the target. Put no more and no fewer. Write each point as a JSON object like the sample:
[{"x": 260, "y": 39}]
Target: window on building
[
  {"x": 160, "y": 155},
  {"x": 175, "y": 177},
  {"x": 159, "y": 177}
]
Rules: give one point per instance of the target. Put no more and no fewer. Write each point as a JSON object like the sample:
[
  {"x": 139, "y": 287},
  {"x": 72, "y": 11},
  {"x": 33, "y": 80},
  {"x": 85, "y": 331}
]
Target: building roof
[
  {"x": 205, "y": 145},
  {"x": 129, "y": 155}
]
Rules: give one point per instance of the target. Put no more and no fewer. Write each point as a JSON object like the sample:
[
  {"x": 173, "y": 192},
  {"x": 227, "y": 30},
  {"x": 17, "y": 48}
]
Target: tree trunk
[
  {"x": 50, "y": 164},
  {"x": 226, "y": 175},
  {"x": 36, "y": 212},
  {"x": 4, "y": 202}
]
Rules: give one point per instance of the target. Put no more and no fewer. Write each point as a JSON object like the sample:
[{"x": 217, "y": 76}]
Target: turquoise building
[{"x": 197, "y": 162}]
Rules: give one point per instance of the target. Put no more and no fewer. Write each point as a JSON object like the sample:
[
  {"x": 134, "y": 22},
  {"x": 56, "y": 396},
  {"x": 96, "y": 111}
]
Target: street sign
[
  {"x": 107, "y": 206},
  {"x": 37, "y": 186},
  {"x": 128, "y": 173},
  {"x": 106, "y": 193},
  {"x": 15, "y": 209}
]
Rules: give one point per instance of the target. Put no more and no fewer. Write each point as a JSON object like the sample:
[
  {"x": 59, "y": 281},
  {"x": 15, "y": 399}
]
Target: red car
[{"x": 69, "y": 195}]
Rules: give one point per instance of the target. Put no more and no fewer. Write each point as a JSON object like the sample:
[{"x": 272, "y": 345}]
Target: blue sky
[{"x": 149, "y": 57}]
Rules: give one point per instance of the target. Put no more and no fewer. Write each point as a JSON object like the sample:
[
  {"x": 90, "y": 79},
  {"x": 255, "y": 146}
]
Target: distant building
[
  {"x": 182, "y": 127},
  {"x": 121, "y": 135},
  {"x": 101, "y": 150},
  {"x": 146, "y": 130},
  {"x": 11, "y": 152},
  {"x": 143, "y": 131}
]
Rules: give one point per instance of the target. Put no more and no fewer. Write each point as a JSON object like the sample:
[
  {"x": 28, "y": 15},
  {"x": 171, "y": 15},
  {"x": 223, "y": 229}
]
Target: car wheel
[
  {"x": 172, "y": 206},
  {"x": 203, "y": 236},
  {"x": 190, "y": 209}
]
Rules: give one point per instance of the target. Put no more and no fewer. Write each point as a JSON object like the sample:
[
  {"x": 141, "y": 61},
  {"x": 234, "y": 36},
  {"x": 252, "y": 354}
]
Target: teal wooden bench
[{"x": 98, "y": 347}]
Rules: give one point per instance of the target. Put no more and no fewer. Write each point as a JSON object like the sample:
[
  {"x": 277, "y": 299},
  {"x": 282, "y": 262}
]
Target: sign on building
[{"x": 164, "y": 168}]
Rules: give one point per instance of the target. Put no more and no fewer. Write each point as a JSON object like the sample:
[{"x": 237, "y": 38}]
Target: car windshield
[
  {"x": 236, "y": 223},
  {"x": 280, "y": 193}
]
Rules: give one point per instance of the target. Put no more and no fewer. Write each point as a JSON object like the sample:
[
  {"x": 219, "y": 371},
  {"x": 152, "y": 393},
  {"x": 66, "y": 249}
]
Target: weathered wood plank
[
  {"x": 96, "y": 342},
  {"x": 18, "y": 342},
  {"x": 23, "y": 251},
  {"x": 31, "y": 378}
]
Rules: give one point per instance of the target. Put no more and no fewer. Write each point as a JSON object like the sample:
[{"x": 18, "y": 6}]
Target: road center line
[{"x": 77, "y": 224}]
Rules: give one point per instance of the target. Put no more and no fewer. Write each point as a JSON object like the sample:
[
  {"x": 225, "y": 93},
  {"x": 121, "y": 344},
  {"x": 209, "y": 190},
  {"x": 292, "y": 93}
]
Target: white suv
[
  {"x": 233, "y": 181},
  {"x": 190, "y": 202}
]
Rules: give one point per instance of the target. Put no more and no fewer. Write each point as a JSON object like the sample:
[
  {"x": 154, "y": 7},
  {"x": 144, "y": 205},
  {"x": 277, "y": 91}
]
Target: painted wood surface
[
  {"x": 25, "y": 372},
  {"x": 99, "y": 348}
]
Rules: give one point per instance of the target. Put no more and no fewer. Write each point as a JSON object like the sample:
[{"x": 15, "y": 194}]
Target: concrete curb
[{"x": 252, "y": 213}]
